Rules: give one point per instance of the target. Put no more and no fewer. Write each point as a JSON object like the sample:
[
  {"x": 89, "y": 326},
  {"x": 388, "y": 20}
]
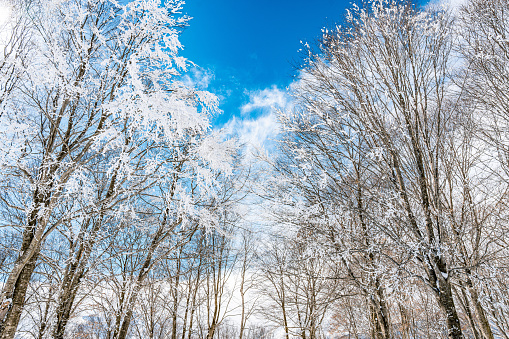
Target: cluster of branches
[{"x": 394, "y": 168}]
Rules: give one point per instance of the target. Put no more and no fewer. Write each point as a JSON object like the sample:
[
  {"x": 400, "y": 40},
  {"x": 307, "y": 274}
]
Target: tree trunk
[
  {"x": 66, "y": 301},
  {"x": 283, "y": 309},
  {"x": 434, "y": 265},
  {"x": 17, "y": 282},
  {"x": 10, "y": 324},
  {"x": 445, "y": 299},
  {"x": 463, "y": 299},
  {"x": 383, "y": 311},
  {"x": 69, "y": 289},
  {"x": 44, "y": 317},
  {"x": 193, "y": 305},
  {"x": 191, "y": 302},
  {"x": 405, "y": 325},
  {"x": 76, "y": 270},
  {"x": 175, "y": 298},
  {"x": 122, "y": 331},
  {"x": 481, "y": 315},
  {"x": 376, "y": 329}
]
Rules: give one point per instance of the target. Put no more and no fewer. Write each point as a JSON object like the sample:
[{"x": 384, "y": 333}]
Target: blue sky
[
  {"x": 247, "y": 46},
  {"x": 248, "y": 52}
]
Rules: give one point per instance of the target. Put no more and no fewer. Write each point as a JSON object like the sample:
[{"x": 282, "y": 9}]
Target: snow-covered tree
[
  {"x": 366, "y": 145},
  {"x": 99, "y": 129}
]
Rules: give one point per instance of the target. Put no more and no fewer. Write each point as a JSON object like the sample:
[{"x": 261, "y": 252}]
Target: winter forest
[{"x": 379, "y": 211}]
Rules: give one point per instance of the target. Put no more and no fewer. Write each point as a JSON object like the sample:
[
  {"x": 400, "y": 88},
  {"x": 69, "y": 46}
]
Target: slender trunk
[
  {"x": 191, "y": 317},
  {"x": 405, "y": 325},
  {"x": 11, "y": 320},
  {"x": 378, "y": 297},
  {"x": 186, "y": 312},
  {"x": 113, "y": 329},
  {"x": 283, "y": 308},
  {"x": 175, "y": 298},
  {"x": 466, "y": 307},
  {"x": 70, "y": 284},
  {"x": 242, "y": 296},
  {"x": 17, "y": 283},
  {"x": 312, "y": 330},
  {"x": 215, "y": 315},
  {"x": 439, "y": 267},
  {"x": 378, "y": 313},
  {"x": 76, "y": 270},
  {"x": 376, "y": 329},
  {"x": 64, "y": 308},
  {"x": 193, "y": 305},
  {"x": 383, "y": 310},
  {"x": 124, "y": 327},
  {"x": 32, "y": 236},
  {"x": 193, "y": 291},
  {"x": 243, "y": 312},
  {"x": 217, "y": 288},
  {"x": 445, "y": 299},
  {"x": 44, "y": 317},
  {"x": 434, "y": 265},
  {"x": 121, "y": 331},
  {"x": 481, "y": 315},
  {"x": 212, "y": 329},
  {"x": 352, "y": 321}
]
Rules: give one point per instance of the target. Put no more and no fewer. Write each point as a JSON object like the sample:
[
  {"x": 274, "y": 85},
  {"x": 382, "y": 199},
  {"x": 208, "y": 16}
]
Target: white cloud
[
  {"x": 453, "y": 4},
  {"x": 260, "y": 132},
  {"x": 257, "y": 133},
  {"x": 198, "y": 77},
  {"x": 267, "y": 99},
  {"x": 456, "y": 3}
]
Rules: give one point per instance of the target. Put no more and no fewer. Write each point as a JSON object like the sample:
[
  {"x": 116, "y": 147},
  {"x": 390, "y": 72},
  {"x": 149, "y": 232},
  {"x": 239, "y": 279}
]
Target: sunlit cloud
[
  {"x": 258, "y": 127},
  {"x": 266, "y": 100},
  {"x": 256, "y": 133},
  {"x": 453, "y": 4},
  {"x": 198, "y": 77}
]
